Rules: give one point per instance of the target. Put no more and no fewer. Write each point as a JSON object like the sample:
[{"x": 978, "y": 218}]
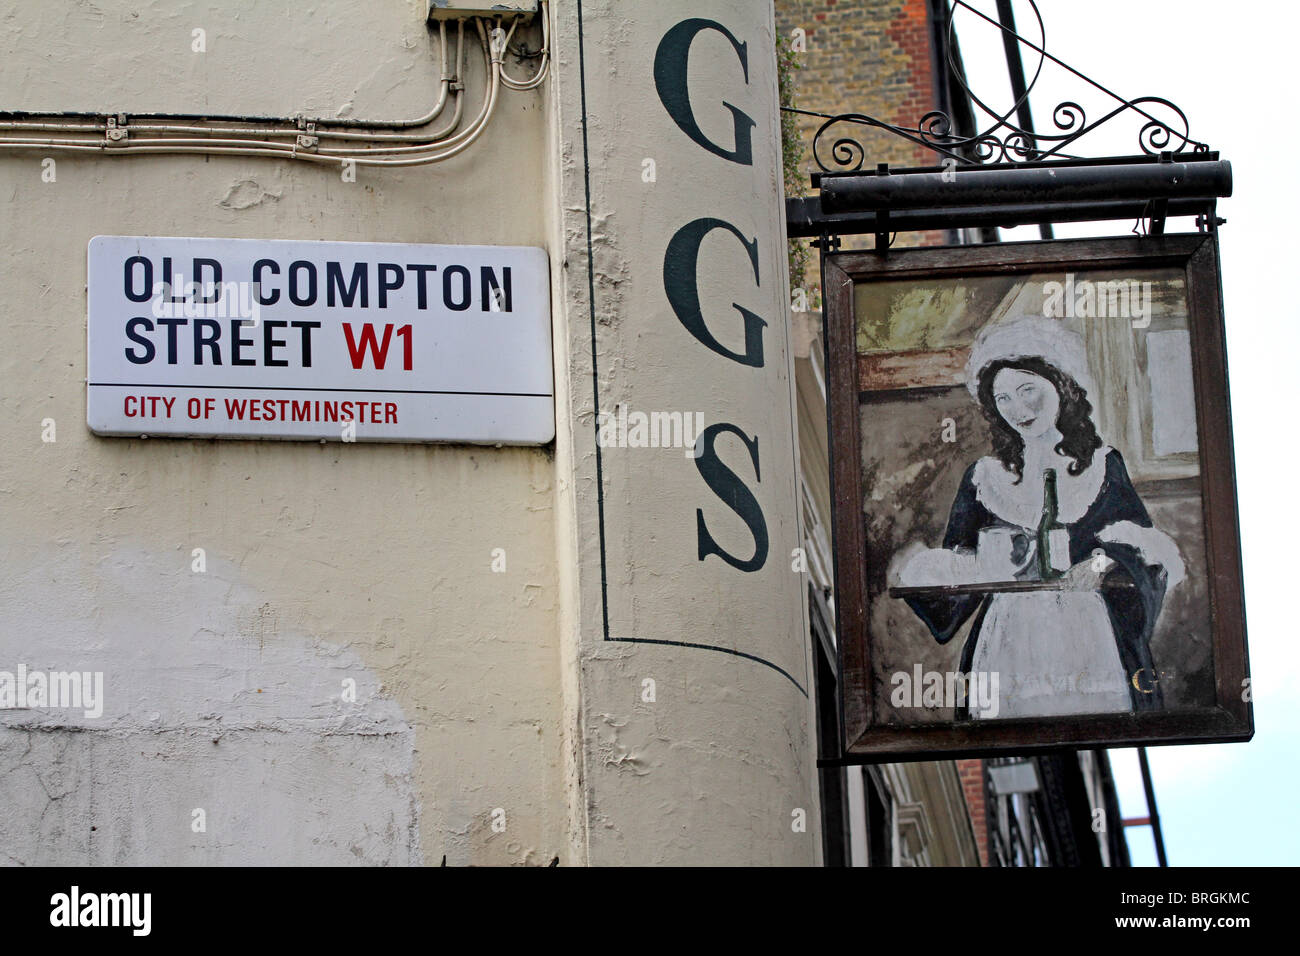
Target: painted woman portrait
[{"x": 1081, "y": 643}]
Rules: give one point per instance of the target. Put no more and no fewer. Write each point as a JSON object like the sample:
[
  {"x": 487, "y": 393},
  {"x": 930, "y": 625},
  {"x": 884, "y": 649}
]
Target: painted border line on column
[{"x": 595, "y": 395}]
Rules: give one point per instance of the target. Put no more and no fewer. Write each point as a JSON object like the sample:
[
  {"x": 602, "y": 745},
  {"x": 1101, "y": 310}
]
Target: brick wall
[
  {"x": 972, "y": 782},
  {"x": 864, "y": 56}
]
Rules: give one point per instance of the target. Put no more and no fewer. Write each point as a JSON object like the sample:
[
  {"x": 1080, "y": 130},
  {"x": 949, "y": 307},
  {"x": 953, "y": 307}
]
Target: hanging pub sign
[
  {"x": 1036, "y": 523},
  {"x": 349, "y": 341}
]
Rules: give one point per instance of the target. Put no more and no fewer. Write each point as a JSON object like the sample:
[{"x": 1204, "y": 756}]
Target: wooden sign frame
[{"x": 866, "y": 737}]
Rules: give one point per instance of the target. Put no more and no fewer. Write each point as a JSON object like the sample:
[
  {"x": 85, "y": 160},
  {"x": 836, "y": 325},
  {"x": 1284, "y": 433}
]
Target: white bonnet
[{"x": 1031, "y": 337}]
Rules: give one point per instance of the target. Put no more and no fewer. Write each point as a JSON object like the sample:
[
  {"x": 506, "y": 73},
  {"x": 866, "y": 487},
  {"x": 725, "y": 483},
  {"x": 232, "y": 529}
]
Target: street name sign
[{"x": 344, "y": 341}]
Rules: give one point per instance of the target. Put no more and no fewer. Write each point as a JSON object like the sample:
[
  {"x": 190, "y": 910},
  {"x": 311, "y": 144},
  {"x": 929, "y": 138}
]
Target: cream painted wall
[
  {"x": 324, "y": 561},
  {"x": 716, "y": 766},
  {"x": 477, "y": 690}
]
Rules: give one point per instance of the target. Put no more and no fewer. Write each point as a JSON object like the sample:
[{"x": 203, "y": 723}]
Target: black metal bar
[
  {"x": 805, "y": 220},
  {"x": 1015, "y": 65},
  {"x": 1152, "y": 812},
  {"x": 978, "y": 187},
  {"x": 1159, "y": 213},
  {"x": 882, "y": 218},
  {"x": 1116, "y": 838},
  {"x": 945, "y": 59},
  {"x": 1016, "y": 72},
  {"x": 1160, "y": 207},
  {"x": 937, "y": 16},
  {"x": 815, "y": 179}
]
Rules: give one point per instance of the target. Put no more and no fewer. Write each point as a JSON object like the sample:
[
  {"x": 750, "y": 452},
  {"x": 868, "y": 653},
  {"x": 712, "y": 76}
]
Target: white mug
[{"x": 1003, "y": 552}]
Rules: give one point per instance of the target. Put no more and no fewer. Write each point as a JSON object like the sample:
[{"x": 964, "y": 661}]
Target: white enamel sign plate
[{"x": 364, "y": 341}]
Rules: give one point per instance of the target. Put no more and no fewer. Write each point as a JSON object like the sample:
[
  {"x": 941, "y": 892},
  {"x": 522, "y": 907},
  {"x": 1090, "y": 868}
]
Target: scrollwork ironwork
[{"x": 1004, "y": 141}]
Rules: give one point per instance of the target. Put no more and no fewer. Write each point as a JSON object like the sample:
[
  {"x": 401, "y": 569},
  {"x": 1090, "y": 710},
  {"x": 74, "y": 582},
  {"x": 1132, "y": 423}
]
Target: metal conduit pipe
[
  {"x": 301, "y": 137},
  {"x": 18, "y": 118}
]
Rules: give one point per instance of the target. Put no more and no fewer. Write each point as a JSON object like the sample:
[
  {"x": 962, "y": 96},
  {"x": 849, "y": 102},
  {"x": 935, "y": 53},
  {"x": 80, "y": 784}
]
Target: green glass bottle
[{"x": 1046, "y": 525}]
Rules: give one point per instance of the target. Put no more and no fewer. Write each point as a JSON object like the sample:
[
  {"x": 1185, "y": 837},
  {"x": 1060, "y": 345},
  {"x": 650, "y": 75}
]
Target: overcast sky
[{"x": 1229, "y": 803}]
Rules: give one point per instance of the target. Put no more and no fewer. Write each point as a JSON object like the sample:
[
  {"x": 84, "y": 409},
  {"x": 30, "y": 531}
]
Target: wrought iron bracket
[
  {"x": 1164, "y": 127},
  {"x": 1008, "y": 174}
]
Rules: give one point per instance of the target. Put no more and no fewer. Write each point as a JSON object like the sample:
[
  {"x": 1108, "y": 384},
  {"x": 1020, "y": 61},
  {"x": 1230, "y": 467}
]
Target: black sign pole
[
  {"x": 1152, "y": 812},
  {"x": 1016, "y": 71}
]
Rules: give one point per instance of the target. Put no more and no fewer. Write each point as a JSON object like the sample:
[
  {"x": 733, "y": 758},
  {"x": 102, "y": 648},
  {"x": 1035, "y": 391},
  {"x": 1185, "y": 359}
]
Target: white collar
[{"x": 1022, "y": 504}]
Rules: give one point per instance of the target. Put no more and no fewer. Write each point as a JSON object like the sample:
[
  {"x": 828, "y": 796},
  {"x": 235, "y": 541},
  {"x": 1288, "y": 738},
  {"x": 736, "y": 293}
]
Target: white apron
[{"x": 1054, "y": 653}]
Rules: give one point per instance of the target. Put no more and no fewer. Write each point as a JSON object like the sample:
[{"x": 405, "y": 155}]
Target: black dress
[{"x": 1133, "y": 594}]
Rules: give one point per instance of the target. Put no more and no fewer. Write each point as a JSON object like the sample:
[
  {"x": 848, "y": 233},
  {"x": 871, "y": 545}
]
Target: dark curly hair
[{"x": 1079, "y": 438}]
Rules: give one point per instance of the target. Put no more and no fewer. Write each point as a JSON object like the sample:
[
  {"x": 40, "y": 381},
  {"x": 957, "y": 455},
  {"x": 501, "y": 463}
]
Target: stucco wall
[
  {"x": 323, "y": 561},
  {"x": 476, "y": 690},
  {"x": 693, "y": 673}
]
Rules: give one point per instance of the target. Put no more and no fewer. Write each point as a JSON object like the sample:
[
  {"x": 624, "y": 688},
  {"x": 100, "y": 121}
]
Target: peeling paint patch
[
  {"x": 614, "y": 754},
  {"x": 285, "y": 741},
  {"x": 245, "y": 194}
]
